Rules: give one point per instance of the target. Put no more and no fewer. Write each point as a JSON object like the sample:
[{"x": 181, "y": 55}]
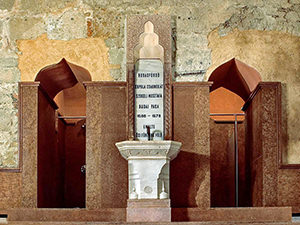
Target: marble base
[
  {"x": 148, "y": 167},
  {"x": 148, "y": 210},
  {"x": 252, "y": 215}
]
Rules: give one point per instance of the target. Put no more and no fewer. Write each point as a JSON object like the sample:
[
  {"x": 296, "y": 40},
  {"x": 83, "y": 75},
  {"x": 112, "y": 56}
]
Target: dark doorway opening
[
  {"x": 230, "y": 162},
  {"x": 61, "y": 136}
]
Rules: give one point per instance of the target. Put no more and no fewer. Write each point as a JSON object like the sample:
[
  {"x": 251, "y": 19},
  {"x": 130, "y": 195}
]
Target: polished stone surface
[
  {"x": 29, "y": 143},
  {"x": 106, "y": 172},
  {"x": 260, "y": 215},
  {"x": 148, "y": 166},
  {"x": 149, "y": 99},
  {"x": 264, "y": 140},
  {"x": 148, "y": 210},
  {"x": 190, "y": 180}
]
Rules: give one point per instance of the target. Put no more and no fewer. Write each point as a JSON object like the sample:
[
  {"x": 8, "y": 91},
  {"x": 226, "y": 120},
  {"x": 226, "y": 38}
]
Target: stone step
[
  {"x": 158, "y": 223},
  {"x": 253, "y": 215},
  {"x": 66, "y": 215},
  {"x": 242, "y": 214}
]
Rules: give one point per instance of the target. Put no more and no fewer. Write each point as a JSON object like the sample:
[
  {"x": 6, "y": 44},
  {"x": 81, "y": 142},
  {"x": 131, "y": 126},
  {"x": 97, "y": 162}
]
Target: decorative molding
[
  {"x": 135, "y": 27},
  {"x": 289, "y": 166},
  {"x": 192, "y": 84},
  {"x": 104, "y": 83},
  {"x": 130, "y": 100},
  {"x": 148, "y": 46},
  {"x": 146, "y": 149}
]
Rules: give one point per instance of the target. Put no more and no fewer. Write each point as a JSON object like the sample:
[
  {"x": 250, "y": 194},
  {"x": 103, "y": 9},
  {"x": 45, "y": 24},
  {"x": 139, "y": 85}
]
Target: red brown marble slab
[
  {"x": 222, "y": 164},
  {"x": 106, "y": 124},
  {"x": 253, "y": 215},
  {"x": 289, "y": 188},
  {"x": 190, "y": 170},
  {"x": 29, "y": 144},
  {"x": 264, "y": 119},
  {"x": 135, "y": 27},
  {"x": 10, "y": 190},
  {"x": 43, "y": 215},
  {"x": 244, "y": 214},
  {"x": 148, "y": 210}
]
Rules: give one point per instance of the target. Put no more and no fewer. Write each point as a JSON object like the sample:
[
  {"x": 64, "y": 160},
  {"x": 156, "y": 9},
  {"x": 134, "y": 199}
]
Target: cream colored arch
[{"x": 149, "y": 47}]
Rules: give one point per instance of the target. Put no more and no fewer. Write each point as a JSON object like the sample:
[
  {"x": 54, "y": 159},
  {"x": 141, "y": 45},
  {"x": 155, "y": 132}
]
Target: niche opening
[{"x": 61, "y": 135}]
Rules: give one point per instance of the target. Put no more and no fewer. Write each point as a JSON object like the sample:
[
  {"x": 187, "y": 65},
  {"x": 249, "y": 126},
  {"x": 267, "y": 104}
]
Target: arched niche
[
  {"x": 233, "y": 83},
  {"x": 225, "y": 101},
  {"x": 54, "y": 149},
  {"x": 148, "y": 46},
  {"x": 237, "y": 77},
  {"x": 246, "y": 149},
  {"x": 63, "y": 83}
]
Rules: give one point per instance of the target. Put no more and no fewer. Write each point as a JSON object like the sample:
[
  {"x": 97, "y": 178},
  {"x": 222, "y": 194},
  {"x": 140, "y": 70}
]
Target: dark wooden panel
[
  {"x": 50, "y": 180},
  {"x": 74, "y": 180}
]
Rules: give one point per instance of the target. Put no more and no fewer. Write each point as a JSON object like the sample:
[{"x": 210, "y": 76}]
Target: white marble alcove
[{"x": 148, "y": 46}]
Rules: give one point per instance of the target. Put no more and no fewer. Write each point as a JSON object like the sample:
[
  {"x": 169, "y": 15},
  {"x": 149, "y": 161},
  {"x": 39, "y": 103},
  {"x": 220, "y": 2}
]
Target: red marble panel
[
  {"x": 28, "y": 141},
  {"x": 10, "y": 190},
  {"x": 263, "y": 131},
  {"x": 190, "y": 170},
  {"x": 106, "y": 124},
  {"x": 222, "y": 164},
  {"x": 62, "y": 216},
  {"x": 242, "y": 215},
  {"x": 289, "y": 188}
]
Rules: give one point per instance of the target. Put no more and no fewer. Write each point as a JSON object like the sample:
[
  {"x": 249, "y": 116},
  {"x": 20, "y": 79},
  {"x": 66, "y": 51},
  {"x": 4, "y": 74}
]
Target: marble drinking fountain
[
  {"x": 149, "y": 155},
  {"x": 148, "y": 176}
]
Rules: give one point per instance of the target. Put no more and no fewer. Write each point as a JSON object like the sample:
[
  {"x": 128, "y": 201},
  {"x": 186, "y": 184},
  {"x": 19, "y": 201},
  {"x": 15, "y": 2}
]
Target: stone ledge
[
  {"x": 148, "y": 203},
  {"x": 247, "y": 215}
]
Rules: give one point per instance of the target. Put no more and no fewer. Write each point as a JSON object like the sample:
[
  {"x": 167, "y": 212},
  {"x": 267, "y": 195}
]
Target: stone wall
[{"x": 206, "y": 33}]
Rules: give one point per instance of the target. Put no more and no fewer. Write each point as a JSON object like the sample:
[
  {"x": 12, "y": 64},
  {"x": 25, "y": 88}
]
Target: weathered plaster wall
[
  {"x": 276, "y": 55},
  {"x": 90, "y": 53},
  {"x": 35, "y": 33}
]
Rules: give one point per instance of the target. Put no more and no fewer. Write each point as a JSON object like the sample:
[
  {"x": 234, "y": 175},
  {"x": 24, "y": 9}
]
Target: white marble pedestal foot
[{"x": 148, "y": 179}]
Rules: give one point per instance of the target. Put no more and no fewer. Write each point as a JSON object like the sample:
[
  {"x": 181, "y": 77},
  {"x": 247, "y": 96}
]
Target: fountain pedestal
[{"x": 148, "y": 175}]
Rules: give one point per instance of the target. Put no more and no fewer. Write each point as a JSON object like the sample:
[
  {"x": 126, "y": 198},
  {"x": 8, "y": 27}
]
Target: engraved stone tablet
[{"x": 149, "y": 99}]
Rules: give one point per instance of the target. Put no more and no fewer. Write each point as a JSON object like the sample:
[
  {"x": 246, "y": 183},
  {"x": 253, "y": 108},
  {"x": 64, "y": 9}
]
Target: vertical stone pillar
[
  {"x": 106, "y": 124},
  {"x": 263, "y": 141},
  {"x": 28, "y": 97},
  {"x": 190, "y": 180}
]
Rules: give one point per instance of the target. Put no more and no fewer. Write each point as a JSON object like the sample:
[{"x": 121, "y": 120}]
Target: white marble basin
[
  {"x": 148, "y": 167},
  {"x": 145, "y": 149}
]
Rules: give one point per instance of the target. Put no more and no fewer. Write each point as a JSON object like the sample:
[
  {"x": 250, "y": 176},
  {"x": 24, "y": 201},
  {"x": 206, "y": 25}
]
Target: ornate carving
[
  {"x": 168, "y": 102},
  {"x": 148, "y": 46},
  {"x": 168, "y": 149},
  {"x": 130, "y": 99}
]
